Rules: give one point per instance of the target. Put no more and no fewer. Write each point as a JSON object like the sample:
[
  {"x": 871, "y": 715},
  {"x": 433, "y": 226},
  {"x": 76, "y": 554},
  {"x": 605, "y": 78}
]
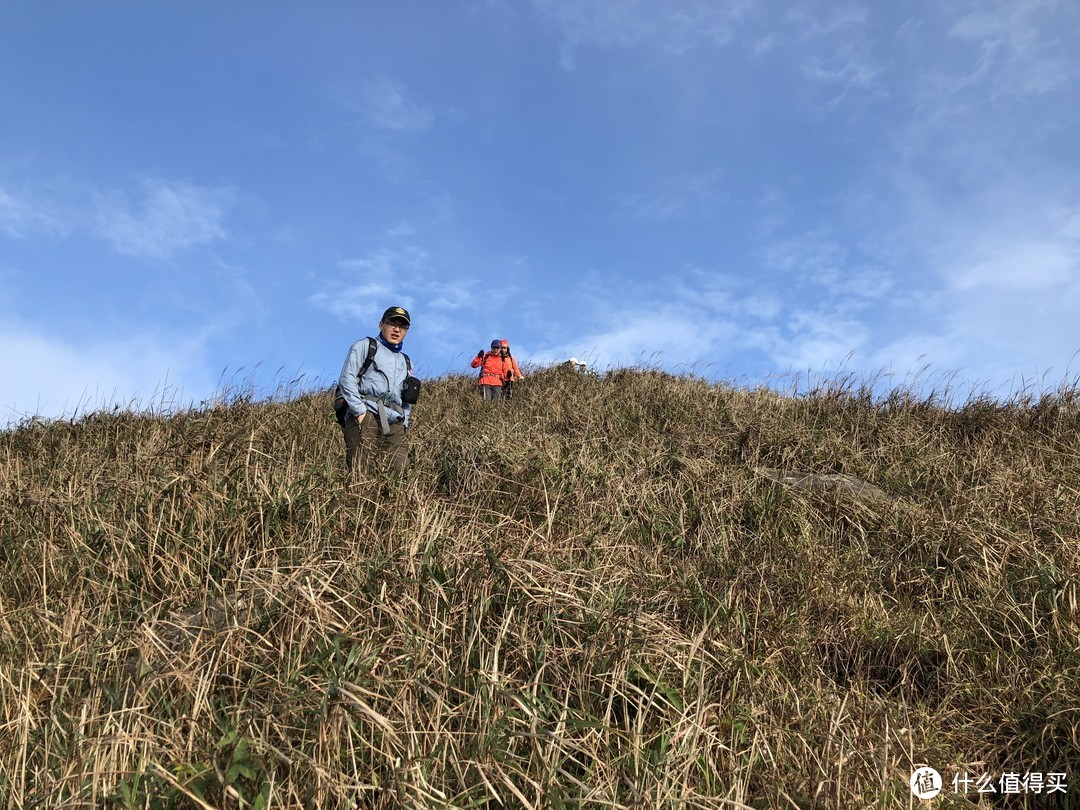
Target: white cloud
[
  {"x": 272, "y": 140},
  {"x": 702, "y": 319},
  {"x": 41, "y": 375},
  {"x": 644, "y": 337},
  {"x": 362, "y": 300},
  {"x": 776, "y": 210},
  {"x": 1025, "y": 264},
  {"x": 918, "y": 351},
  {"x": 21, "y": 217},
  {"x": 1014, "y": 235},
  {"x": 395, "y": 164},
  {"x": 765, "y": 44},
  {"x": 675, "y": 26},
  {"x": 169, "y": 217},
  {"x": 987, "y": 276},
  {"x": 684, "y": 195},
  {"x": 837, "y": 51},
  {"x": 1021, "y": 50},
  {"x": 967, "y": 215},
  {"x": 366, "y": 285},
  {"x": 1010, "y": 273},
  {"x": 387, "y": 261},
  {"x": 847, "y": 69},
  {"x": 819, "y": 339},
  {"x": 599, "y": 22},
  {"x": 388, "y": 104},
  {"x": 824, "y": 261},
  {"x": 814, "y": 21},
  {"x": 162, "y": 218},
  {"x": 402, "y": 229}
]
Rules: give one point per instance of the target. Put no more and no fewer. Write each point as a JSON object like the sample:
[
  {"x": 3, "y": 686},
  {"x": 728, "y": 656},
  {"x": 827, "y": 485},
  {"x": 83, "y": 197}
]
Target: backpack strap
[
  {"x": 372, "y": 347},
  {"x": 341, "y": 408}
]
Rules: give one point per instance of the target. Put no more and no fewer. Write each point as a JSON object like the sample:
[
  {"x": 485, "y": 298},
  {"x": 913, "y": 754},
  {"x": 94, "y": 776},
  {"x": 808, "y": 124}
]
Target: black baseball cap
[{"x": 397, "y": 314}]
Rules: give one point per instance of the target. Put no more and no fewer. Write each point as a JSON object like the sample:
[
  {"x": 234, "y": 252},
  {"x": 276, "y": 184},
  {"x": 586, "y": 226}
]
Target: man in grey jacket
[{"x": 372, "y": 415}]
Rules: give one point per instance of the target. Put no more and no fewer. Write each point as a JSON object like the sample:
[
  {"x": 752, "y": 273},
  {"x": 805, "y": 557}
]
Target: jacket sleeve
[
  {"x": 347, "y": 382},
  {"x": 477, "y": 362}
]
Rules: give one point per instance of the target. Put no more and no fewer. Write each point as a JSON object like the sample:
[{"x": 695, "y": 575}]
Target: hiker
[
  {"x": 375, "y": 395},
  {"x": 575, "y": 365},
  {"x": 511, "y": 369},
  {"x": 492, "y": 367}
]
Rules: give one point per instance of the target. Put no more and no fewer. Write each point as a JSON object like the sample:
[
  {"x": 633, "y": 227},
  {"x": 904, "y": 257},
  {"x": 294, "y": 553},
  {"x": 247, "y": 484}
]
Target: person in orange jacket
[
  {"x": 492, "y": 367},
  {"x": 511, "y": 369}
]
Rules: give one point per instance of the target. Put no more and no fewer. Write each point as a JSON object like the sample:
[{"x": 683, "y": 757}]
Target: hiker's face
[{"x": 393, "y": 331}]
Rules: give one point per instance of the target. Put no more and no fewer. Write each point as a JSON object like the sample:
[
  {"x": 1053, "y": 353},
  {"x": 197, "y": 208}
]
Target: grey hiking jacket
[{"x": 381, "y": 382}]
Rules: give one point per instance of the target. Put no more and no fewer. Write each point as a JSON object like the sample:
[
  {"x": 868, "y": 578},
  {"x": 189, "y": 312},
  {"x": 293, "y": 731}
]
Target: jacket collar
[{"x": 394, "y": 347}]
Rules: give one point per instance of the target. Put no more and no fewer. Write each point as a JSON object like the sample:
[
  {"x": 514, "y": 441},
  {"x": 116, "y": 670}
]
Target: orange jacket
[
  {"x": 492, "y": 368},
  {"x": 513, "y": 371}
]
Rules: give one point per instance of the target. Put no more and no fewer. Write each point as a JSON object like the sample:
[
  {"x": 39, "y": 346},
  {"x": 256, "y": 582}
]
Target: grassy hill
[{"x": 620, "y": 591}]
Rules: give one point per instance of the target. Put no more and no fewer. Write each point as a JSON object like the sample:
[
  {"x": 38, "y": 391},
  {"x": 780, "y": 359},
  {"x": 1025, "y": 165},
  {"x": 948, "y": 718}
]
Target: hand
[{"x": 480, "y": 353}]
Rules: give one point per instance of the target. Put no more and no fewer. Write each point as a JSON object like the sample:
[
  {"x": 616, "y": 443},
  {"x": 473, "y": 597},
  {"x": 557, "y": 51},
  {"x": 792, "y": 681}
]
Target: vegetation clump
[{"x": 614, "y": 591}]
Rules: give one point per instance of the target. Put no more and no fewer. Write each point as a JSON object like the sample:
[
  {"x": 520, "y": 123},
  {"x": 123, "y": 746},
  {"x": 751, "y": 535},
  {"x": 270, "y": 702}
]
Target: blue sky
[{"x": 197, "y": 194}]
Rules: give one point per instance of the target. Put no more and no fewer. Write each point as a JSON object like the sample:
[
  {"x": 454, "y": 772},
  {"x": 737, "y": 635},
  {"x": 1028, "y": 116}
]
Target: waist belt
[{"x": 384, "y": 417}]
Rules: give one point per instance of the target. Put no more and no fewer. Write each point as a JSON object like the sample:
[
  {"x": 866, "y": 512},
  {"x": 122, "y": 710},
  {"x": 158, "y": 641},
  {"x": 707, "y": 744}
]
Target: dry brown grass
[{"x": 606, "y": 595}]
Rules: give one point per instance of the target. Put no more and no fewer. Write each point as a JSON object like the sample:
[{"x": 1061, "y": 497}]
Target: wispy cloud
[
  {"x": 837, "y": 50},
  {"x": 775, "y": 211},
  {"x": 985, "y": 273},
  {"x": 158, "y": 219},
  {"x": 813, "y": 258},
  {"x": 388, "y": 104},
  {"x": 703, "y": 318},
  {"x": 364, "y": 286},
  {"x": 387, "y": 261},
  {"x": 810, "y": 307},
  {"x": 1042, "y": 257},
  {"x": 676, "y": 26},
  {"x": 168, "y": 217},
  {"x": 816, "y": 20},
  {"x": 43, "y": 375},
  {"x": 401, "y": 230},
  {"x": 846, "y": 68},
  {"x": 21, "y": 216},
  {"x": 383, "y": 112},
  {"x": 642, "y": 335},
  {"x": 956, "y": 245},
  {"x": 815, "y": 339},
  {"x": 681, "y": 196},
  {"x": 989, "y": 78},
  {"x": 1021, "y": 51},
  {"x": 361, "y": 289},
  {"x": 360, "y": 300},
  {"x": 1009, "y": 267}
]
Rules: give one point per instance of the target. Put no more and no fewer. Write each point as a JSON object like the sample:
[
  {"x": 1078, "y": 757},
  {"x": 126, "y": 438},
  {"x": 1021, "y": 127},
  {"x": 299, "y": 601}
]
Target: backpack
[{"x": 410, "y": 390}]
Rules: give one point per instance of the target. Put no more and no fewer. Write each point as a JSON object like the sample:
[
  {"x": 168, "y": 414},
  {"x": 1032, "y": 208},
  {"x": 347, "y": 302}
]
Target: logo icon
[{"x": 925, "y": 783}]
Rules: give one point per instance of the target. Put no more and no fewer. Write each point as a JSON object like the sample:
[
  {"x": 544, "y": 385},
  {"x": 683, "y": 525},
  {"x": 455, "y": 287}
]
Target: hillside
[{"x": 629, "y": 590}]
